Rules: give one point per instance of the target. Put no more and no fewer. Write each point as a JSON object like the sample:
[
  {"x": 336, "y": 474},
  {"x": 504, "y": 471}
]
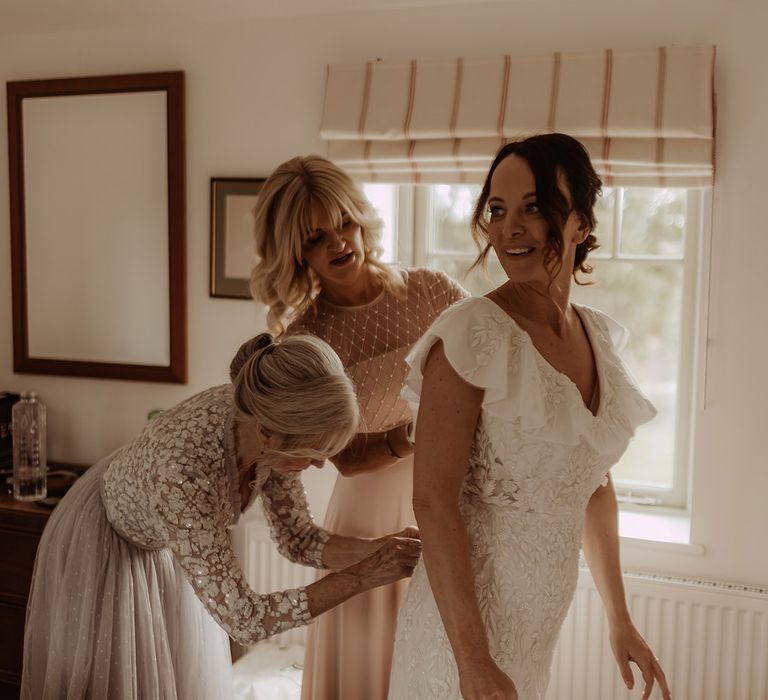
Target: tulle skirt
[{"x": 108, "y": 619}]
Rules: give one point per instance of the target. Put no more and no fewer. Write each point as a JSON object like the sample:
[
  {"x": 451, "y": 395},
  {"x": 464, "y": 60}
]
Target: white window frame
[{"x": 415, "y": 246}]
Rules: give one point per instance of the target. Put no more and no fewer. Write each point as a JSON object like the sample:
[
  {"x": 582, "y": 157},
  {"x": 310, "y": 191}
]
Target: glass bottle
[{"x": 29, "y": 463}]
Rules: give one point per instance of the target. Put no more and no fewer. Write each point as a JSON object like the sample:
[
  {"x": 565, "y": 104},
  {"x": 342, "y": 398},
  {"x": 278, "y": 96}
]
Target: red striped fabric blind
[{"x": 646, "y": 116}]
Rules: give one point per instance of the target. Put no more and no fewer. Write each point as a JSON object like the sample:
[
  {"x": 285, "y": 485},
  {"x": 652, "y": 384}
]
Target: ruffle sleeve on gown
[
  {"x": 631, "y": 407},
  {"x": 490, "y": 351}
]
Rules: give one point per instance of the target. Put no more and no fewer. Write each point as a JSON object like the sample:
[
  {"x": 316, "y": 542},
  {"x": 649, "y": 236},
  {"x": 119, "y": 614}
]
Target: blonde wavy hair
[
  {"x": 281, "y": 279},
  {"x": 297, "y": 390}
]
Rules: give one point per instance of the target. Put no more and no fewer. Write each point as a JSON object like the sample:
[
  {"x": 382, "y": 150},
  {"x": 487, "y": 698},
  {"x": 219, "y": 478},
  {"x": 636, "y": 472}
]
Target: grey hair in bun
[
  {"x": 247, "y": 350},
  {"x": 297, "y": 390}
]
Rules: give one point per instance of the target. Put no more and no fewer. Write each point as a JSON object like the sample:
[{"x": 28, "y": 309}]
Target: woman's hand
[
  {"x": 628, "y": 645},
  {"x": 486, "y": 681},
  {"x": 341, "y": 552},
  {"x": 601, "y": 549},
  {"x": 411, "y": 533},
  {"x": 394, "y": 558}
]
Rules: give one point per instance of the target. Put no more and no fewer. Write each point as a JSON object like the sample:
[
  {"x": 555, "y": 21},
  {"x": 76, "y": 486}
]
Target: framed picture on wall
[
  {"x": 232, "y": 204},
  {"x": 85, "y": 235}
]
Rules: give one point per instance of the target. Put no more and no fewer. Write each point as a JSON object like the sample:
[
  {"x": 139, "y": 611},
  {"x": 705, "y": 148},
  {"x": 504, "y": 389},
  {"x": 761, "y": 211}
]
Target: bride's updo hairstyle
[
  {"x": 297, "y": 390},
  {"x": 552, "y": 158}
]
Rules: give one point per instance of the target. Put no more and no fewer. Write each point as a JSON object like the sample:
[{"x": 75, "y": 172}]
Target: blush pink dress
[{"x": 349, "y": 648}]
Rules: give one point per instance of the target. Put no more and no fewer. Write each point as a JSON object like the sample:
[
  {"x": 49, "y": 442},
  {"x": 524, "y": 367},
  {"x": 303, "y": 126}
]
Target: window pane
[
  {"x": 653, "y": 221},
  {"x": 452, "y": 210},
  {"x": 384, "y": 199},
  {"x": 647, "y": 299},
  {"x": 604, "y": 213}
]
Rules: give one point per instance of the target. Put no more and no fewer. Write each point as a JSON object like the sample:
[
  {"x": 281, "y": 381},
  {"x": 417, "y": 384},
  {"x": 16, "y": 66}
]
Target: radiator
[
  {"x": 711, "y": 637},
  {"x": 266, "y": 570}
]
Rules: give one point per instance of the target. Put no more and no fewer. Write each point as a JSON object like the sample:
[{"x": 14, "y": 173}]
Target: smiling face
[
  {"x": 517, "y": 229},
  {"x": 334, "y": 249}
]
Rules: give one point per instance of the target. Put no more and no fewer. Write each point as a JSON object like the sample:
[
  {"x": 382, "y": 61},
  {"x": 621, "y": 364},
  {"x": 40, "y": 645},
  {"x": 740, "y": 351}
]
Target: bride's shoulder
[
  {"x": 471, "y": 309},
  {"x": 609, "y": 330},
  {"x": 475, "y": 334},
  {"x": 473, "y": 322}
]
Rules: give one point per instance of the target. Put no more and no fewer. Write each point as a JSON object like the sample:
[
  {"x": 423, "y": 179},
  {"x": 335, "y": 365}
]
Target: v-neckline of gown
[{"x": 601, "y": 384}]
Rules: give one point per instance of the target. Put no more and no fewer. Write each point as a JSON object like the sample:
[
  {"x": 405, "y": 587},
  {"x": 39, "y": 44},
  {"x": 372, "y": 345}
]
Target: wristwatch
[{"x": 410, "y": 430}]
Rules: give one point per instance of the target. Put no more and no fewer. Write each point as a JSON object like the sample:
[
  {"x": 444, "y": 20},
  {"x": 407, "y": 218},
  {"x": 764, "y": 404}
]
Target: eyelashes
[
  {"x": 496, "y": 211},
  {"x": 316, "y": 237}
]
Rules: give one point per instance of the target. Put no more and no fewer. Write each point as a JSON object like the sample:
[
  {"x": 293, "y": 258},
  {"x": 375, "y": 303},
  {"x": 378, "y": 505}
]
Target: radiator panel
[{"x": 712, "y": 638}]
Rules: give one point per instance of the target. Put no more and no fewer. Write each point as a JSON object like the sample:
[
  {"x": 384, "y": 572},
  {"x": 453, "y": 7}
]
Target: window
[{"x": 645, "y": 276}]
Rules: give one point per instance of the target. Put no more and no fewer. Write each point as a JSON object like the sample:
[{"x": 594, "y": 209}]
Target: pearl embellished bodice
[{"x": 372, "y": 340}]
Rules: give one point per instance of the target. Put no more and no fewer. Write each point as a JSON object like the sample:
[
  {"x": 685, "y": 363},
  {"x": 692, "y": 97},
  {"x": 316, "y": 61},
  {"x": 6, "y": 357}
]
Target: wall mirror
[{"x": 97, "y": 200}]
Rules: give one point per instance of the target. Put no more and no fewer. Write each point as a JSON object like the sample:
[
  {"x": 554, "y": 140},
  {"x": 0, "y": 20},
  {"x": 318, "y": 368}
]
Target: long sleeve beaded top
[{"x": 175, "y": 486}]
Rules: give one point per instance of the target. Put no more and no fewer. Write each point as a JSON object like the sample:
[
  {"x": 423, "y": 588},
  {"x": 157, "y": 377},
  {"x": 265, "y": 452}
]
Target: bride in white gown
[{"x": 525, "y": 405}]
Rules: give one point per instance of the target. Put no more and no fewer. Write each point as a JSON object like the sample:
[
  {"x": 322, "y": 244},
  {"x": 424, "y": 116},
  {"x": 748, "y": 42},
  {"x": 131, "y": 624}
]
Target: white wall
[{"x": 254, "y": 93}]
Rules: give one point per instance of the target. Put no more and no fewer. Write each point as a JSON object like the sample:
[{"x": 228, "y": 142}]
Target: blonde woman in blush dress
[
  {"x": 524, "y": 406},
  {"x": 316, "y": 237},
  {"x": 136, "y": 585}
]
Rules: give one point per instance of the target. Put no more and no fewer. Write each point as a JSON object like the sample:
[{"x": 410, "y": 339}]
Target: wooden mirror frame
[{"x": 172, "y": 83}]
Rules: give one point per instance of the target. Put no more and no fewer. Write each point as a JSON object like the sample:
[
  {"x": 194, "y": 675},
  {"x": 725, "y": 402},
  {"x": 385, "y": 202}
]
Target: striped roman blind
[{"x": 646, "y": 116}]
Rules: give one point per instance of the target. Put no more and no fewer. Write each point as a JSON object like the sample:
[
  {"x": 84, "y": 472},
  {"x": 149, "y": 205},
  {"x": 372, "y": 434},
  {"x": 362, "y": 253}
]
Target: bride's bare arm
[
  {"x": 448, "y": 414},
  {"x": 601, "y": 550}
]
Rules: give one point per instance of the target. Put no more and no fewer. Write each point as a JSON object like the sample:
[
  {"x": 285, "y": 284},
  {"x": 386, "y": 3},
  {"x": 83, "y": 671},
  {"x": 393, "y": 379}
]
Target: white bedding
[{"x": 269, "y": 671}]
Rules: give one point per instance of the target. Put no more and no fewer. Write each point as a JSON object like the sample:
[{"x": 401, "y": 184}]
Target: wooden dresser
[{"x": 21, "y": 525}]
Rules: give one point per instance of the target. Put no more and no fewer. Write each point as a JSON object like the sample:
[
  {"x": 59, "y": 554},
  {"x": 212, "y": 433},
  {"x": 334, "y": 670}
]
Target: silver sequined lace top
[{"x": 176, "y": 486}]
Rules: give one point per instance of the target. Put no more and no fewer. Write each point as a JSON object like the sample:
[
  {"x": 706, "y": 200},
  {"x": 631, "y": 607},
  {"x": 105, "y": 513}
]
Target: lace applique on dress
[{"x": 537, "y": 457}]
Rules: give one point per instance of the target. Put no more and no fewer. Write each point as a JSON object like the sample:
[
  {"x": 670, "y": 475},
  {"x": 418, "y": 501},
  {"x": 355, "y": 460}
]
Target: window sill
[{"x": 658, "y": 529}]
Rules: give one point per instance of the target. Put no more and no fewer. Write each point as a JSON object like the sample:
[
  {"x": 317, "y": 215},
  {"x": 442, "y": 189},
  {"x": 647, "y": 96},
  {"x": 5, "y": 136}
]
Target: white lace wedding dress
[{"x": 539, "y": 454}]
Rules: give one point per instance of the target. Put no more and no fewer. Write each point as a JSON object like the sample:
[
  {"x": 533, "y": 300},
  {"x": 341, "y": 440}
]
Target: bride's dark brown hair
[{"x": 550, "y": 158}]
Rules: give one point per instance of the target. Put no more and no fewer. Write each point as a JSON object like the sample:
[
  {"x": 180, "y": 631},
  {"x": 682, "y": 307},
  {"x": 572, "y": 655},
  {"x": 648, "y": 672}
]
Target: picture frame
[
  {"x": 232, "y": 203},
  {"x": 84, "y": 233}
]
